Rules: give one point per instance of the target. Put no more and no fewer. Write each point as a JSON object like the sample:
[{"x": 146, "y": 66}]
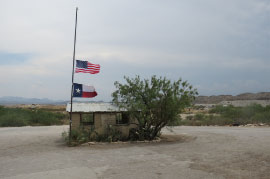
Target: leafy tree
[{"x": 154, "y": 103}]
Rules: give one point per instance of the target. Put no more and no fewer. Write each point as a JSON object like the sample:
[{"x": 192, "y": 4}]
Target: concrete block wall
[
  {"x": 101, "y": 122},
  {"x": 76, "y": 121}
]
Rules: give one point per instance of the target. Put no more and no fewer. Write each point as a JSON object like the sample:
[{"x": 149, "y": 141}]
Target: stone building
[{"x": 98, "y": 116}]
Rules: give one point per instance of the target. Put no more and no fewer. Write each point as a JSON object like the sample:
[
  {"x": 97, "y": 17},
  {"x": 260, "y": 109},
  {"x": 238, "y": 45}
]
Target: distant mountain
[
  {"x": 244, "y": 96},
  {"x": 9, "y": 100}
]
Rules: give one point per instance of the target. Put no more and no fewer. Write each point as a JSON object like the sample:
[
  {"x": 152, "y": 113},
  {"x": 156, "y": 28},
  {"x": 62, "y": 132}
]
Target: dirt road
[{"x": 200, "y": 152}]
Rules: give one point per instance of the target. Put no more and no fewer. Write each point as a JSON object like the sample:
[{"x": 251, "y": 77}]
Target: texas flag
[{"x": 83, "y": 91}]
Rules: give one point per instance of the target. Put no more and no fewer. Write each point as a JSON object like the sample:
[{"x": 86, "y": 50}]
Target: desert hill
[{"x": 243, "y": 96}]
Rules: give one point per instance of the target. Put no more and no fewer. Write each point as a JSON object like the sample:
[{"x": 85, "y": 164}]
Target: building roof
[{"x": 93, "y": 107}]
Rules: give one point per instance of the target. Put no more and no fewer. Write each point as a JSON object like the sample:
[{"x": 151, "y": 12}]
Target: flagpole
[{"x": 72, "y": 86}]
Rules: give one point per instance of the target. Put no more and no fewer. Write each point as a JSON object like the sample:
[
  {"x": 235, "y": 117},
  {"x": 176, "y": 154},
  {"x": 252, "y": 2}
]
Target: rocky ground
[{"x": 185, "y": 152}]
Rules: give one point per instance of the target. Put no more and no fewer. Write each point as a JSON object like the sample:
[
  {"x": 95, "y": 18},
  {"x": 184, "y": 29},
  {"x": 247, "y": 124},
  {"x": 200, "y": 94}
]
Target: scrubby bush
[
  {"x": 12, "y": 120},
  {"x": 263, "y": 117},
  {"x": 13, "y": 117},
  {"x": 82, "y": 135},
  {"x": 199, "y": 117},
  {"x": 40, "y": 117},
  {"x": 230, "y": 115},
  {"x": 111, "y": 135}
]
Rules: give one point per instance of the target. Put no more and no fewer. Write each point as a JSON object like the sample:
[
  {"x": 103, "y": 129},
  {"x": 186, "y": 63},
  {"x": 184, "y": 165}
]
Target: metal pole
[{"x": 72, "y": 86}]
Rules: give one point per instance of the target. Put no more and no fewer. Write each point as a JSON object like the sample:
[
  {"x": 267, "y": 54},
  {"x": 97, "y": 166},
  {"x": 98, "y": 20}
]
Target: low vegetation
[
  {"x": 230, "y": 115},
  {"x": 81, "y": 135},
  {"x": 16, "y": 117}
]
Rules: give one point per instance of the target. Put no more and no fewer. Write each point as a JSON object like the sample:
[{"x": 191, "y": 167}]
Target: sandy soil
[{"x": 187, "y": 152}]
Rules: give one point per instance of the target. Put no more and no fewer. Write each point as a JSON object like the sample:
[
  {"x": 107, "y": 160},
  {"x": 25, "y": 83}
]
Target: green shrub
[
  {"x": 199, "y": 117},
  {"x": 227, "y": 111},
  {"x": 230, "y": 115},
  {"x": 12, "y": 120},
  {"x": 189, "y": 118},
  {"x": 78, "y": 136},
  {"x": 40, "y": 117},
  {"x": 175, "y": 122},
  {"x": 111, "y": 135},
  {"x": 22, "y": 117},
  {"x": 82, "y": 135},
  {"x": 261, "y": 118}
]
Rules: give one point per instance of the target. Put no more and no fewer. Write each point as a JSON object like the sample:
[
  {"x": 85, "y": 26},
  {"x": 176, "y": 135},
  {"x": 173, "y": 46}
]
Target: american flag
[{"x": 86, "y": 67}]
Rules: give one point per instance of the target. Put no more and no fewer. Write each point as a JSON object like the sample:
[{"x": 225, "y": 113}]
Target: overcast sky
[{"x": 219, "y": 46}]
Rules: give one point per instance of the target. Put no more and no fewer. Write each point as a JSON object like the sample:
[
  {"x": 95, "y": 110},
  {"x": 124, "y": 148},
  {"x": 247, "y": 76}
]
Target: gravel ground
[{"x": 188, "y": 152}]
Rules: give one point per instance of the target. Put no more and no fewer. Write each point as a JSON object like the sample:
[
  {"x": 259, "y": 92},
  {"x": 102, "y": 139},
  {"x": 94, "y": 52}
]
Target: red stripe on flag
[
  {"x": 86, "y": 71},
  {"x": 89, "y": 94}
]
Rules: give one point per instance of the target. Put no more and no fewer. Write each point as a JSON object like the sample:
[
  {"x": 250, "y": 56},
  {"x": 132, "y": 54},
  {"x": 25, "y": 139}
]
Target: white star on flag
[{"x": 78, "y": 90}]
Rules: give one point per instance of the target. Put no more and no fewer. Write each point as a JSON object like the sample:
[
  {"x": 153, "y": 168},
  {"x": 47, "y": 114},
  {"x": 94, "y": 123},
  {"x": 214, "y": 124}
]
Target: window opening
[
  {"x": 87, "y": 119},
  {"x": 122, "y": 118}
]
